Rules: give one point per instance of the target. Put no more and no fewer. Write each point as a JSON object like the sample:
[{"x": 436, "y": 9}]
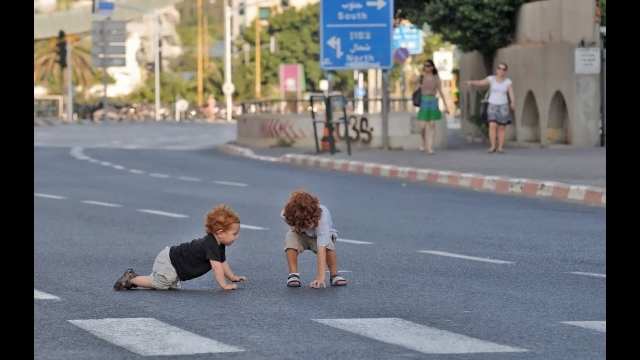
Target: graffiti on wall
[
  {"x": 285, "y": 128},
  {"x": 359, "y": 129}
]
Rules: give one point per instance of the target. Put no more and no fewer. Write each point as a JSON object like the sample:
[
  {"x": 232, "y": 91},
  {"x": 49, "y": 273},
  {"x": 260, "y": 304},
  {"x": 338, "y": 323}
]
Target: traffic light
[
  {"x": 62, "y": 49},
  {"x": 241, "y": 8}
]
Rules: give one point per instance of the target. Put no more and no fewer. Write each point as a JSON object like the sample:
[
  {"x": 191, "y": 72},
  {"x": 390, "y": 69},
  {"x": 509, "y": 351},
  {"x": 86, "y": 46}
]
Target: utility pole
[
  {"x": 228, "y": 87},
  {"x": 69, "y": 83},
  {"x": 199, "y": 53},
  {"x": 156, "y": 52},
  {"x": 205, "y": 37},
  {"x": 258, "y": 81}
]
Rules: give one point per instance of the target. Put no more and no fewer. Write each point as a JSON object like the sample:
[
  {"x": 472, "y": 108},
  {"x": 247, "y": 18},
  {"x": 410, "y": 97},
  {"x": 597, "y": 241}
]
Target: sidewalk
[{"x": 562, "y": 173}]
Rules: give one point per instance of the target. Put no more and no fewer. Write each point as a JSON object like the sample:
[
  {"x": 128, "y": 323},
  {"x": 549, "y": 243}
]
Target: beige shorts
[
  {"x": 163, "y": 275},
  {"x": 302, "y": 242}
]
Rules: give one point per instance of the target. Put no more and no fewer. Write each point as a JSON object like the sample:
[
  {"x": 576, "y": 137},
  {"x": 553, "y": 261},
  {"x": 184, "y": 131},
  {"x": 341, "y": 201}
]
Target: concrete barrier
[{"x": 365, "y": 131}]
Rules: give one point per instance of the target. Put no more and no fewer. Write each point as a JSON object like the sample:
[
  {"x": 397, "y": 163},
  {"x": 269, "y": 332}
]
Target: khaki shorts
[
  {"x": 163, "y": 275},
  {"x": 302, "y": 242}
]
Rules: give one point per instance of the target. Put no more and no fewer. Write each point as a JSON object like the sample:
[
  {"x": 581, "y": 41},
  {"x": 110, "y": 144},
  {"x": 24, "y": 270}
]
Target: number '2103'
[{"x": 359, "y": 35}]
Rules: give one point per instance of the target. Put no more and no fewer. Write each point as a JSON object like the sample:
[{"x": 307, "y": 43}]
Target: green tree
[
  {"x": 481, "y": 25},
  {"x": 46, "y": 70}
]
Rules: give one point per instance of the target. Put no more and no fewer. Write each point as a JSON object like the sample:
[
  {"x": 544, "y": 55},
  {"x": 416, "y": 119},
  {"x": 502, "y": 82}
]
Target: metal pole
[
  {"x": 105, "y": 26},
  {"x": 69, "y": 84},
  {"x": 227, "y": 59},
  {"x": 156, "y": 44},
  {"x": 603, "y": 89},
  {"x": 258, "y": 80},
  {"x": 385, "y": 109},
  {"x": 199, "y": 53}
]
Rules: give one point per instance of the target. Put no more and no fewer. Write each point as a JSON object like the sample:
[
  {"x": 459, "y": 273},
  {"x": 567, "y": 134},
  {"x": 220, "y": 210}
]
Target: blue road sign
[
  {"x": 409, "y": 37},
  {"x": 401, "y": 55},
  {"x": 356, "y": 34}
]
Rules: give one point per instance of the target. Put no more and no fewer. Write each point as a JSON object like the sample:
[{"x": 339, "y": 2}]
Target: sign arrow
[
  {"x": 377, "y": 3},
  {"x": 334, "y": 42}
]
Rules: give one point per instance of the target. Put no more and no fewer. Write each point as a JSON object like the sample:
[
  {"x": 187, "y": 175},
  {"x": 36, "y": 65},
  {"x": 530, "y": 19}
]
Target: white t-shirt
[
  {"x": 498, "y": 91},
  {"x": 323, "y": 231}
]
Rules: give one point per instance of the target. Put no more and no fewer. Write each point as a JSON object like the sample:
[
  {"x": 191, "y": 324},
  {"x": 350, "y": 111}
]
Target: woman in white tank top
[{"x": 501, "y": 101}]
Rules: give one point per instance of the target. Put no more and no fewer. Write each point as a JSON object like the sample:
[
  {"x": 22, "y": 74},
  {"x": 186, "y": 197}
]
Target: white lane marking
[
  {"x": 151, "y": 337},
  {"x": 130, "y": 147},
  {"x": 442, "y": 253},
  {"x": 119, "y": 167},
  {"x": 186, "y": 178},
  {"x": 48, "y": 196},
  {"x": 39, "y": 295},
  {"x": 593, "y": 325},
  {"x": 588, "y": 274},
  {"x": 136, "y": 171},
  {"x": 416, "y": 337},
  {"x": 252, "y": 227},
  {"x": 355, "y": 241},
  {"x": 105, "y": 163},
  {"x": 93, "y": 161},
  {"x": 156, "y": 212},
  {"x": 230, "y": 183},
  {"x": 91, "y": 202},
  {"x": 159, "y": 175}
]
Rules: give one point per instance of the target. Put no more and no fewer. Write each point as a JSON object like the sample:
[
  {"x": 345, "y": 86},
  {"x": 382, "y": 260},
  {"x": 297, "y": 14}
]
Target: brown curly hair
[
  {"x": 220, "y": 218},
  {"x": 302, "y": 210}
]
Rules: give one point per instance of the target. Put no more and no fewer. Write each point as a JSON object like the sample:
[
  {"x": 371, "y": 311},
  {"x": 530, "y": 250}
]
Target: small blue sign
[
  {"x": 360, "y": 92},
  {"x": 401, "y": 55},
  {"x": 356, "y": 34},
  {"x": 106, "y": 8},
  {"x": 409, "y": 37}
]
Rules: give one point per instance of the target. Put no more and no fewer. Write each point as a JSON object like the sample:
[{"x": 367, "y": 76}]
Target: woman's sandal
[
  {"x": 293, "y": 280},
  {"x": 125, "y": 280},
  {"x": 337, "y": 280}
]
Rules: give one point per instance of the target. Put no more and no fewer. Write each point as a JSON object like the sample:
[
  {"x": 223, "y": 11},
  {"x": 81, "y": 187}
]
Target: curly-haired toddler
[{"x": 311, "y": 229}]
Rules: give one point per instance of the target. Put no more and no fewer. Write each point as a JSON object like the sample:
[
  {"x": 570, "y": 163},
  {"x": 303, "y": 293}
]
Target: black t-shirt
[{"x": 191, "y": 259}]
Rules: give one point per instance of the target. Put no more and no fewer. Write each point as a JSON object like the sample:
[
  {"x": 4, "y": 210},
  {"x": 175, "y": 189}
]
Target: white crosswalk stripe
[
  {"x": 593, "y": 325},
  {"x": 417, "y": 337},
  {"x": 39, "y": 295},
  {"x": 151, "y": 337}
]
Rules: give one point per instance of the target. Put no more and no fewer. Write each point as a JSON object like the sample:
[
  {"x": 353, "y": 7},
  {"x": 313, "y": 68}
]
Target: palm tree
[{"x": 47, "y": 70}]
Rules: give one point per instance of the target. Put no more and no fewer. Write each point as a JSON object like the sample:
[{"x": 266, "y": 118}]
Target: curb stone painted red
[{"x": 545, "y": 189}]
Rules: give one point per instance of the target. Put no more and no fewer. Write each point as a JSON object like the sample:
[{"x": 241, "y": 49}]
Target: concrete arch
[
  {"x": 558, "y": 123},
  {"x": 530, "y": 124}
]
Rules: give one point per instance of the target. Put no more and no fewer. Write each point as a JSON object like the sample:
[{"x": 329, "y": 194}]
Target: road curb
[{"x": 591, "y": 195}]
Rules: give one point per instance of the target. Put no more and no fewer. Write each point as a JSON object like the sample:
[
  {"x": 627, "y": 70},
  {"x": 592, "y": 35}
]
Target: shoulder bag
[{"x": 417, "y": 94}]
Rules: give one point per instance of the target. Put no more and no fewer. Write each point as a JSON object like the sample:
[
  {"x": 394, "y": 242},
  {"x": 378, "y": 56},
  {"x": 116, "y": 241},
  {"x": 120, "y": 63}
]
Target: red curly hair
[
  {"x": 302, "y": 210},
  {"x": 220, "y": 218}
]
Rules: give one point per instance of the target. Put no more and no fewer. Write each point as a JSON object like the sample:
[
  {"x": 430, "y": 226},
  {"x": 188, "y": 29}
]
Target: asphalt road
[{"x": 434, "y": 272}]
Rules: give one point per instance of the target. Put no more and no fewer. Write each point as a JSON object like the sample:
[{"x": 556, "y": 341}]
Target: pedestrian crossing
[{"x": 152, "y": 337}]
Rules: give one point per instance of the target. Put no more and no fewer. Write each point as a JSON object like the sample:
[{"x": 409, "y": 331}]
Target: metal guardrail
[
  {"x": 48, "y": 107},
  {"x": 303, "y": 106}
]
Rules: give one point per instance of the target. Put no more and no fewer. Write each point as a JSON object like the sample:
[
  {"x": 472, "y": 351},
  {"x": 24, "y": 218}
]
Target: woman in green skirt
[{"x": 429, "y": 112}]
